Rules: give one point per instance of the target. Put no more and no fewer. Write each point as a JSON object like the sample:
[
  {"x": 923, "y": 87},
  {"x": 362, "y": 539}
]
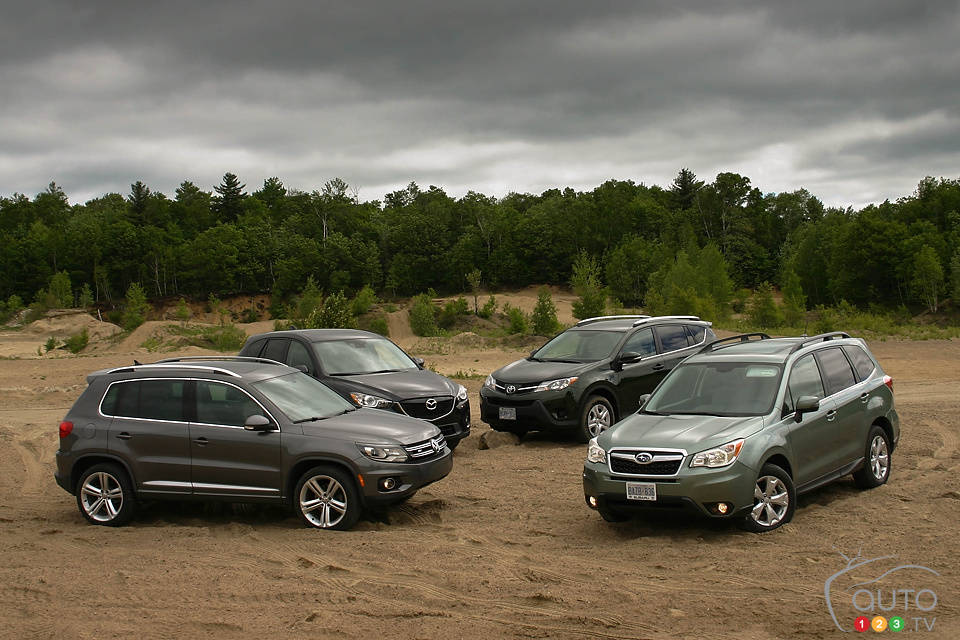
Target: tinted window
[
  {"x": 837, "y": 373},
  {"x": 804, "y": 381},
  {"x": 672, "y": 337},
  {"x": 276, "y": 349},
  {"x": 219, "y": 403},
  {"x": 861, "y": 361},
  {"x": 586, "y": 345},
  {"x": 641, "y": 342},
  {"x": 148, "y": 399},
  {"x": 253, "y": 349},
  {"x": 298, "y": 355},
  {"x": 696, "y": 332}
]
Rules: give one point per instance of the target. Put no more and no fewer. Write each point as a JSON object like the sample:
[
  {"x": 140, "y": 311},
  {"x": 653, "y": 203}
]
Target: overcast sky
[{"x": 854, "y": 100}]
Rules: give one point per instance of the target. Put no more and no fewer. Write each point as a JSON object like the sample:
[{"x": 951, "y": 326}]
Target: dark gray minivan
[{"x": 240, "y": 430}]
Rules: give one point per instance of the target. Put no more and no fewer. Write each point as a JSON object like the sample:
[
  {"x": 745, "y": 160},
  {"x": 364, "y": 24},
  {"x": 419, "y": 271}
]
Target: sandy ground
[{"x": 503, "y": 547}]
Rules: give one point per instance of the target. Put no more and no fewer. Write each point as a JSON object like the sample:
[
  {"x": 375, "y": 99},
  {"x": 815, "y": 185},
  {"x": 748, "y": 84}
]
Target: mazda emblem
[
  {"x": 431, "y": 404},
  {"x": 643, "y": 458},
  {"x": 511, "y": 388}
]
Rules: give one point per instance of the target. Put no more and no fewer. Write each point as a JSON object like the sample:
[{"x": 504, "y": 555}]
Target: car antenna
[{"x": 136, "y": 362}]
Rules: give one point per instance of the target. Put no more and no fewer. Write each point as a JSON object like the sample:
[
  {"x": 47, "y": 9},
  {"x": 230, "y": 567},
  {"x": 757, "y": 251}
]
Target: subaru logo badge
[
  {"x": 644, "y": 458},
  {"x": 511, "y": 388},
  {"x": 431, "y": 404}
]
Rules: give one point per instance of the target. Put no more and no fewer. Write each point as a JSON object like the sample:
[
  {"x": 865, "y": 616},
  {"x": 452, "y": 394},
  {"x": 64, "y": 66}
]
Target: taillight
[
  {"x": 66, "y": 428},
  {"x": 887, "y": 380}
]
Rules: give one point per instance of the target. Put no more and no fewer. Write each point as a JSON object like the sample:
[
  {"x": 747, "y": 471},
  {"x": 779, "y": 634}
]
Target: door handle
[
  {"x": 201, "y": 441},
  {"x": 864, "y": 397},
  {"x": 657, "y": 367},
  {"x": 123, "y": 435},
  {"x": 831, "y": 415}
]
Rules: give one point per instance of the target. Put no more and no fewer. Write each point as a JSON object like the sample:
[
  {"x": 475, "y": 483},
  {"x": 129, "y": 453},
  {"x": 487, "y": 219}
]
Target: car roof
[
  {"x": 318, "y": 335},
  {"x": 767, "y": 349},
  {"x": 627, "y": 322},
  {"x": 225, "y": 367}
]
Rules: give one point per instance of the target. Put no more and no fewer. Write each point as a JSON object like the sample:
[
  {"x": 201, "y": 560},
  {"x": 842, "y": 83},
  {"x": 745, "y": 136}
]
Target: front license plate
[
  {"x": 641, "y": 491},
  {"x": 508, "y": 413}
]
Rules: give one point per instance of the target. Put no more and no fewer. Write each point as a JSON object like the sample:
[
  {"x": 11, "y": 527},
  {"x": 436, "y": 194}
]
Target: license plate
[
  {"x": 641, "y": 491},
  {"x": 508, "y": 413}
]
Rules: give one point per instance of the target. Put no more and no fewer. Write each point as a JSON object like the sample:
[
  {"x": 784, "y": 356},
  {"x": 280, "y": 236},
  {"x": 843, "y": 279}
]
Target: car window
[
  {"x": 804, "y": 381},
  {"x": 224, "y": 404},
  {"x": 361, "y": 355},
  {"x": 837, "y": 373},
  {"x": 696, "y": 332},
  {"x": 575, "y": 345},
  {"x": 298, "y": 355},
  {"x": 146, "y": 399},
  {"x": 717, "y": 389},
  {"x": 253, "y": 349},
  {"x": 276, "y": 349},
  {"x": 863, "y": 363},
  {"x": 641, "y": 342},
  {"x": 301, "y": 397},
  {"x": 672, "y": 337}
]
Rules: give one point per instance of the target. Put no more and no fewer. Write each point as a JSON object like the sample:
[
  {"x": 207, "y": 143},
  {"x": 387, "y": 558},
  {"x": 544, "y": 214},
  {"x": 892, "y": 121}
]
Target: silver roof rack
[
  {"x": 601, "y": 318},
  {"x": 172, "y": 365},
  {"x": 648, "y": 319},
  {"x": 215, "y": 358}
]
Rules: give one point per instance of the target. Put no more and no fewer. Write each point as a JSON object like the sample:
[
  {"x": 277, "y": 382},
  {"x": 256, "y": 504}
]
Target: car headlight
[
  {"x": 383, "y": 453},
  {"x": 490, "y": 383},
  {"x": 461, "y": 393},
  {"x": 719, "y": 457},
  {"x": 555, "y": 385},
  {"x": 595, "y": 453},
  {"x": 367, "y": 400}
]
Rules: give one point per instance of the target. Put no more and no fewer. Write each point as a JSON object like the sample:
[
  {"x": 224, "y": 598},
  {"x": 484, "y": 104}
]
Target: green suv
[
  {"x": 738, "y": 429},
  {"x": 586, "y": 377}
]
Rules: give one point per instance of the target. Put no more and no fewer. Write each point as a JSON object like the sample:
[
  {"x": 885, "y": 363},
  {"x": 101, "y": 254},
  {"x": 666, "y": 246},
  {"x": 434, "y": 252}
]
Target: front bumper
[
  {"x": 556, "y": 410},
  {"x": 455, "y": 426},
  {"x": 410, "y": 478},
  {"x": 691, "y": 489}
]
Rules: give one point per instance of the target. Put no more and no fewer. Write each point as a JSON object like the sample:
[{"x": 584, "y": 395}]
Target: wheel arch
[
  {"x": 780, "y": 459},
  {"x": 87, "y": 461},
  {"x": 301, "y": 466},
  {"x": 605, "y": 392},
  {"x": 884, "y": 423}
]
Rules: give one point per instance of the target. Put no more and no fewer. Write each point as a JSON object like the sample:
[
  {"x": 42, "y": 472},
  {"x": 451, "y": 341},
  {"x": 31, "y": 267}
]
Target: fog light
[
  {"x": 593, "y": 501},
  {"x": 388, "y": 484},
  {"x": 722, "y": 508}
]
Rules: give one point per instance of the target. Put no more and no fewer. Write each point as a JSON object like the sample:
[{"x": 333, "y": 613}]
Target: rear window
[
  {"x": 672, "y": 337},
  {"x": 276, "y": 349},
  {"x": 696, "y": 332},
  {"x": 837, "y": 373},
  {"x": 861, "y": 361},
  {"x": 145, "y": 399}
]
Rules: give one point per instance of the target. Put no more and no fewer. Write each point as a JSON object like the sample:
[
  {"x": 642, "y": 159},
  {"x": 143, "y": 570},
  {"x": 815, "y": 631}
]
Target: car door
[
  {"x": 229, "y": 460},
  {"x": 810, "y": 438},
  {"x": 149, "y": 430},
  {"x": 849, "y": 431},
  {"x": 638, "y": 378}
]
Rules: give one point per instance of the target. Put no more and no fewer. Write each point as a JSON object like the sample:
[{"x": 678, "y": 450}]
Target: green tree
[
  {"x": 685, "y": 187},
  {"x": 229, "y": 204},
  {"x": 545, "y": 314},
  {"x": 955, "y": 277},
  {"x": 762, "y": 310},
  {"x": 473, "y": 279},
  {"x": 85, "y": 299},
  {"x": 423, "y": 319},
  {"x": 335, "y": 313},
  {"x": 928, "y": 277},
  {"x": 135, "y": 308},
  {"x": 794, "y": 301},
  {"x": 586, "y": 284},
  {"x": 60, "y": 290},
  {"x": 182, "y": 312},
  {"x": 138, "y": 199}
]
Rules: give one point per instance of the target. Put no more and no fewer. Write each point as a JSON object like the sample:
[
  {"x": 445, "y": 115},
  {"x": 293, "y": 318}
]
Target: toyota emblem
[
  {"x": 511, "y": 388},
  {"x": 643, "y": 458},
  {"x": 431, "y": 404}
]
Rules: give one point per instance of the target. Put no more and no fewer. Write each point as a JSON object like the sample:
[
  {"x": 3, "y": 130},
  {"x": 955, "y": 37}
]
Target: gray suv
[{"x": 240, "y": 430}]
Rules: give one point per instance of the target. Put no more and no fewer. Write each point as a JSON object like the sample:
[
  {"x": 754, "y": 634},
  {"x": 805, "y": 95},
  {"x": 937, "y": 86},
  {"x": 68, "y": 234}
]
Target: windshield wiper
[
  {"x": 311, "y": 419},
  {"x": 562, "y": 360},
  {"x": 366, "y": 373},
  {"x": 654, "y": 413}
]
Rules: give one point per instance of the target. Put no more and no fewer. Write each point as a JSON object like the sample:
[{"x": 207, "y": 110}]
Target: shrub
[
  {"x": 60, "y": 290},
  {"x": 762, "y": 310},
  {"x": 489, "y": 308},
  {"x": 423, "y": 320},
  {"x": 740, "y": 299},
  {"x": 250, "y": 315},
  {"x": 182, "y": 312},
  {"x": 51, "y": 344},
  {"x": 334, "y": 314},
  {"x": 545, "y": 314},
  {"x": 227, "y": 337},
  {"x": 450, "y": 311},
  {"x": 379, "y": 325},
  {"x": 85, "y": 298},
  {"x": 519, "y": 322},
  {"x": 586, "y": 284},
  {"x": 135, "y": 308},
  {"x": 77, "y": 342},
  {"x": 364, "y": 300}
]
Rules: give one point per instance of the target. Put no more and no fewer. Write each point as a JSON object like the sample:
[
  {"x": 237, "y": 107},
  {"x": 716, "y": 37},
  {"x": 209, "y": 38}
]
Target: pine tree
[{"x": 229, "y": 204}]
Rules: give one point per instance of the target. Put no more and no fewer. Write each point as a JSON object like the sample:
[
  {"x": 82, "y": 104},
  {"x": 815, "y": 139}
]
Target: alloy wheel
[
  {"x": 771, "y": 500},
  {"x": 879, "y": 457},
  {"x": 598, "y": 419},
  {"x": 101, "y": 496},
  {"x": 323, "y": 501}
]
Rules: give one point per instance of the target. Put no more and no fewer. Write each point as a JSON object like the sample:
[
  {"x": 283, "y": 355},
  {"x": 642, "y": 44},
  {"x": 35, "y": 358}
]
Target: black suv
[
  {"x": 370, "y": 371},
  {"x": 240, "y": 430},
  {"x": 591, "y": 375}
]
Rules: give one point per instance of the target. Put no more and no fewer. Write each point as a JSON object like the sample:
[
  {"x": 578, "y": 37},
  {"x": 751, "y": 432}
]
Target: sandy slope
[{"x": 502, "y": 547}]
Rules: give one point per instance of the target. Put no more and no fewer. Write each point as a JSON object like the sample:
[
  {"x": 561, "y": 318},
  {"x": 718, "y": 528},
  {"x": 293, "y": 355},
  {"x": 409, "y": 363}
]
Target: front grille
[
  {"x": 417, "y": 408},
  {"x": 664, "y": 463},
  {"x": 426, "y": 449},
  {"x": 517, "y": 388}
]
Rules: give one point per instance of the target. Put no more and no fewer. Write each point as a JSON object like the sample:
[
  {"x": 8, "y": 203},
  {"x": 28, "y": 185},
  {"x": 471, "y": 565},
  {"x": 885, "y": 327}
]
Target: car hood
[
  {"x": 693, "y": 433},
  {"x": 374, "y": 426},
  {"x": 527, "y": 371},
  {"x": 398, "y": 385}
]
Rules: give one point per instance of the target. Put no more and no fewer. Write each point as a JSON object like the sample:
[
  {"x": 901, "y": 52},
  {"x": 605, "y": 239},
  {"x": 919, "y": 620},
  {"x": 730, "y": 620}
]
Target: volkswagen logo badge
[
  {"x": 511, "y": 388},
  {"x": 437, "y": 446},
  {"x": 644, "y": 458},
  {"x": 431, "y": 404}
]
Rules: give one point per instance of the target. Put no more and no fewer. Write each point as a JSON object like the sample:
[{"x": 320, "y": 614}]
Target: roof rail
[
  {"x": 171, "y": 365},
  {"x": 233, "y": 358},
  {"x": 743, "y": 337},
  {"x": 649, "y": 318},
  {"x": 820, "y": 337},
  {"x": 600, "y": 318}
]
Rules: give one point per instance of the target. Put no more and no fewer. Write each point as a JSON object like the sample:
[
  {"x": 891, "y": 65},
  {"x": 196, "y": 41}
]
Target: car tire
[
  {"x": 105, "y": 495},
  {"x": 327, "y": 498},
  {"x": 876, "y": 465},
  {"x": 774, "y": 500},
  {"x": 596, "y": 417},
  {"x": 611, "y": 515}
]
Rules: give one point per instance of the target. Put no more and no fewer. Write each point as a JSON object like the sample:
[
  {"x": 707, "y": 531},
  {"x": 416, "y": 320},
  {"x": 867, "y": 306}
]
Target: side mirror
[
  {"x": 629, "y": 356},
  {"x": 418, "y": 362},
  {"x": 643, "y": 399},
  {"x": 256, "y": 423},
  {"x": 806, "y": 404}
]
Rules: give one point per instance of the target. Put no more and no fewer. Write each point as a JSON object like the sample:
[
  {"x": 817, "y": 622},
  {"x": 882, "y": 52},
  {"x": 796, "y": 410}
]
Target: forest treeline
[{"x": 228, "y": 241}]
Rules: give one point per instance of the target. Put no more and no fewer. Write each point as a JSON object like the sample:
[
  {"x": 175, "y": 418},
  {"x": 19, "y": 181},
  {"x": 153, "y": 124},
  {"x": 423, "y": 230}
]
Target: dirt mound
[{"x": 63, "y": 325}]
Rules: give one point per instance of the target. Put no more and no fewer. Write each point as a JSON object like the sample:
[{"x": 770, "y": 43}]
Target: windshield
[
  {"x": 717, "y": 389},
  {"x": 302, "y": 398},
  {"x": 578, "y": 346},
  {"x": 361, "y": 355}
]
